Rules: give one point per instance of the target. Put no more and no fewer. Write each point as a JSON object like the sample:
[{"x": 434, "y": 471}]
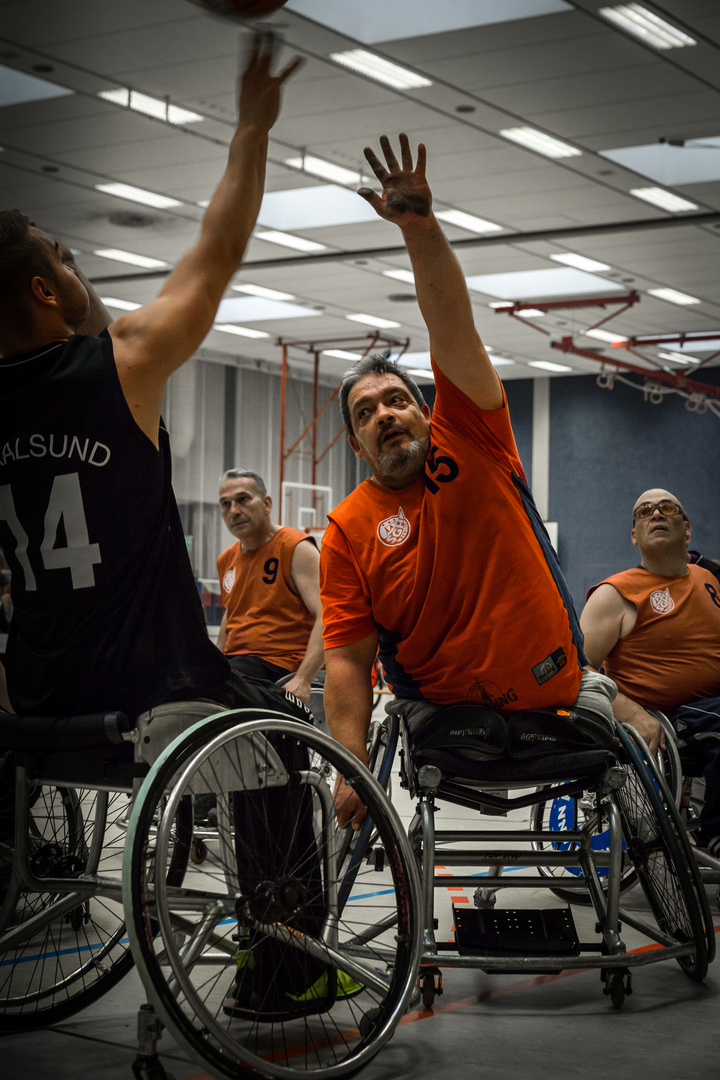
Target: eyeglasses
[{"x": 665, "y": 506}]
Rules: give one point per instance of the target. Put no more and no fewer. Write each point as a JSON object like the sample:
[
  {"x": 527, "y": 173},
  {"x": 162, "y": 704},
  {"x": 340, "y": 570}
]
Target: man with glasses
[{"x": 656, "y": 630}]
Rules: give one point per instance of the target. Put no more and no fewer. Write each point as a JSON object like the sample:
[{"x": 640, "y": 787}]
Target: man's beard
[{"x": 404, "y": 459}]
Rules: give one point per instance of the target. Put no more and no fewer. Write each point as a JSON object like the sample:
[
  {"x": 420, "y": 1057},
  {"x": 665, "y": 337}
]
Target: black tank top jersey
[{"x": 106, "y": 611}]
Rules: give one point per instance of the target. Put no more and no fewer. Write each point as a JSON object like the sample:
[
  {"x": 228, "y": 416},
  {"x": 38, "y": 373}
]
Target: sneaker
[{"x": 245, "y": 1003}]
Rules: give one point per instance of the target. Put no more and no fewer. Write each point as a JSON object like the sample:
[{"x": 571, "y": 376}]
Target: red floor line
[{"x": 464, "y": 1003}]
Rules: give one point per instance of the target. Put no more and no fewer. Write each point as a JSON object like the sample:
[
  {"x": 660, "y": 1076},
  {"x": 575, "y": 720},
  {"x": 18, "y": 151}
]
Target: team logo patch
[
  {"x": 661, "y": 601},
  {"x": 229, "y": 579},
  {"x": 393, "y": 531}
]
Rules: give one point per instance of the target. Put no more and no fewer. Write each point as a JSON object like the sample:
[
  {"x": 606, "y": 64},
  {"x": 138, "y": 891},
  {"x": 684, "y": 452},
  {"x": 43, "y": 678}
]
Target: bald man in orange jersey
[
  {"x": 440, "y": 558},
  {"x": 656, "y": 629}
]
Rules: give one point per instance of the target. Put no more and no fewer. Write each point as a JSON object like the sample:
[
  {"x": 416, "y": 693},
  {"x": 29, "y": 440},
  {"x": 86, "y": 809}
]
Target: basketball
[{"x": 239, "y": 9}]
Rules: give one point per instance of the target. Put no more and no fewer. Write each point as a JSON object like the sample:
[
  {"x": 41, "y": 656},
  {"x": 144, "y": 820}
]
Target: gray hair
[
  {"x": 374, "y": 364},
  {"x": 234, "y": 474}
]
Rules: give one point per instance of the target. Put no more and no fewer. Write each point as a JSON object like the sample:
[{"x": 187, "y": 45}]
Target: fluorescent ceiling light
[
  {"x": 243, "y": 309},
  {"x": 420, "y": 373},
  {"x": 647, "y": 26},
  {"x": 666, "y": 200},
  {"x": 341, "y": 354},
  {"x": 383, "y": 71},
  {"x": 374, "y": 320},
  {"x": 129, "y": 257},
  {"x": 530, "y": 313},
  {"x": 534, "y": 284},
  {"x": 134, "y": 194},
  {"x": 673, "y": 296},
  {"x": 314, "y": 207},
  {"x": 376, "y": 21},
  {"x": 400, "y": 275},
  {"x": 547, "y": 365},
  {"x": 499, "y": 361},
  {"x": 603, "y": 335},
  {"x": 696, "y": 162},
  {"x": 468, "y": 221},
  {"x": 240, "y": 331},
  {"x": 418, "y": 360},
  {"x": 121, "y": 305},
  {"x": 532, "y": 139},
  {"x": 260, "y": 290},
  {"x": 690, "y": 344},
  {"x": 325, "y": 169},
  {"x": 16, "y": 88},
  {"x": 676, "y": 358},
  {"x": 150, "y": 106},
  {"x": 580, "y": 262},
  {"x": 287, "y": 240}
]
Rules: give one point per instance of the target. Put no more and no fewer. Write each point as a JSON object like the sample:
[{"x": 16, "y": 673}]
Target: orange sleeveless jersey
[
  {"x": 672, "y": 654},
  {"x": 455, "y": 573},
  {"x": 264, "y": 616}
]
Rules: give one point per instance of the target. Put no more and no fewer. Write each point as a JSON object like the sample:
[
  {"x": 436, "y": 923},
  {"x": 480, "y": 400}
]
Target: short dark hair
[
  {"x": 22, "y": 257},
  {"x": 234, "y": 474},
  {"x": 375, "y": 364}
]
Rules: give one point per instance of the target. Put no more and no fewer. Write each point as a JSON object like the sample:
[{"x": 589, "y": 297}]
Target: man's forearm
[
  {"x": 439, "y": 282},
  {"x": 314, "y": 656},
  {"x": 348, "y": 709}
]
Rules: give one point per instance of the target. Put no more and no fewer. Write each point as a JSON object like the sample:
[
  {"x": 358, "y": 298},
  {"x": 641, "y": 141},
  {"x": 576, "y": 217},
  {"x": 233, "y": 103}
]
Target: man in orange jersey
[
  {"x": 440, "y": 559},
  {"x": 656, "y": 630},
  {"x": 272, "y": 624}
]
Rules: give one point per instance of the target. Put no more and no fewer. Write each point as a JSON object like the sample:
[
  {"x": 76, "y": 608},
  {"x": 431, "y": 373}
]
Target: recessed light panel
[
  {"x": 313, "y": 208},
  {"x": 468, "y": 221},
  {"x": 373, "y": 320},
  {"x": 673, "y": 296},
  {"x": 150, "y": 106},
  {"x": 666, "y": 200},
  {"x": 342, "y": 354},
  {"x": 134, "y": 194},
  {"x": 239, "y": 331},
  {"x": 400, "y": 275},
  {"x": 648, "y": 27},
  {"x": 121, "y": 305},
  {"x": 520, "y": 284},
  {"x": 130, "y": 257},
  {"x": 419, "y": 360},
  {"x": 260, "y": 290},
  {"x": 255, "y": 309},
  {"x": 603, "y": 335},
  {"x": 532, "y": 139},
  {"x": 580, "y": 262},
  {"x": 378, "y": 68},
  {"x": 299, "y": 243},
  {"x": 327, "y": 170},
  {"x": 548, "y": 365}
]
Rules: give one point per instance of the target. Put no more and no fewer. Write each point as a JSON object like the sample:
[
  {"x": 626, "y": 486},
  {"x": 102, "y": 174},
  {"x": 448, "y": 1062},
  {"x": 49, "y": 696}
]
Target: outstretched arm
[
  {"x": 442, "y": 293},
  {"x": 607, "y": 617},
  {"x": 152, "y": 342}
]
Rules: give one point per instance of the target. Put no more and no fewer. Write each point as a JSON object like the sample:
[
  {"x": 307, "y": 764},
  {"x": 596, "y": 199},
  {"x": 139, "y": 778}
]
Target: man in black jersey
[{"x": 106, "y": 610}]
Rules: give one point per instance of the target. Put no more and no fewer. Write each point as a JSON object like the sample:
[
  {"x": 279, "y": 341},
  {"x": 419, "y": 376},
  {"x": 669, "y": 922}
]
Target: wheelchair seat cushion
[
  {"x": 557, "y": 731},
  {"x": 469, "y": 732}
]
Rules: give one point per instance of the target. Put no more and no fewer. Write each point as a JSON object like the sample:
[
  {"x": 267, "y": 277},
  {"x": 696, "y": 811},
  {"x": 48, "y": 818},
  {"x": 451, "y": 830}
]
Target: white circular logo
[
  {"x": 661, "y": 601},
  {"x": 229, "y": 579},
  {"x": 393, "y": 531}
]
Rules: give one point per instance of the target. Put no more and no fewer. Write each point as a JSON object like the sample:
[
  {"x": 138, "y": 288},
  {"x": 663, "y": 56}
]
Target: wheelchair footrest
[{"x": 515, "y": 932}]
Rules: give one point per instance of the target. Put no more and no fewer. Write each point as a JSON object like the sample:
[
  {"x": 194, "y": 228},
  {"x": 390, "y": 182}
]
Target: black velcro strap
[{"x": 65, "y": 733}]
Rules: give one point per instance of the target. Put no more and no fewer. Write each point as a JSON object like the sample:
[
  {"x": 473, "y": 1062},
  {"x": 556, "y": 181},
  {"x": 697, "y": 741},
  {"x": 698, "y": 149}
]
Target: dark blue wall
[
  {"x": 606, "y": 448},
  {"x": 519, "y": 393}
]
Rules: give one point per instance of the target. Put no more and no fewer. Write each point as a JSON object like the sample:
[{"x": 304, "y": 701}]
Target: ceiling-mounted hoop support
[{"x": 368, "y": 343}]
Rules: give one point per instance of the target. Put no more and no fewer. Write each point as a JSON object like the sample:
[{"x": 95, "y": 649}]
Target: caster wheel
[
  {"x": 198, "y": 851},
  {"x": 367, "y": 1022},
  {"x": 618, "y": 986}
]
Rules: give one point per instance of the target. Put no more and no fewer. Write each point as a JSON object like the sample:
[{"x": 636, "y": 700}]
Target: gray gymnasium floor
[{"x": 483, "y": 1025}]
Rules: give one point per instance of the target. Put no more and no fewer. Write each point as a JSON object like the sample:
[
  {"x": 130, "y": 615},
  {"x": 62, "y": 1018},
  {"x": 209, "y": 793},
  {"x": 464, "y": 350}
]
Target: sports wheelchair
[
  {"x": 252, "y": 959},
  {"x": 601, "y": 821}
]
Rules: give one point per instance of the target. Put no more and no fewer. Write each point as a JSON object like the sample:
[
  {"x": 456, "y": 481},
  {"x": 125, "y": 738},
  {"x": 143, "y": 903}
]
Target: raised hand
[
  {"x": 259, "y": 90},
  {"x": 406, "y": 195}
]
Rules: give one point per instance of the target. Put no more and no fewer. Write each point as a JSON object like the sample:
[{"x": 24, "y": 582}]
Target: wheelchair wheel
[
  {"x": 52, "y": 964},
  {"x": 254, "y": 968},
  {"x": 660, "y": 851},
  {"x": 576, "y": 812}
]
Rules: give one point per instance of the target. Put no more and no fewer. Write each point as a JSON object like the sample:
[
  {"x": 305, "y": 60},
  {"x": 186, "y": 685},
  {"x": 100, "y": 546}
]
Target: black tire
[
  {"x": 68, "y": 961},
  {"x": 272, "y": 868},
  {"x": 659, "y": 848},
  {"x": 575, "y": 812}
]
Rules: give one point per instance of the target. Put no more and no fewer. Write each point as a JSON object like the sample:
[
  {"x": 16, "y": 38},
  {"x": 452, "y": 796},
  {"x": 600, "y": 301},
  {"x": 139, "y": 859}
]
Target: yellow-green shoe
[{"x": 346, "y": 988}]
